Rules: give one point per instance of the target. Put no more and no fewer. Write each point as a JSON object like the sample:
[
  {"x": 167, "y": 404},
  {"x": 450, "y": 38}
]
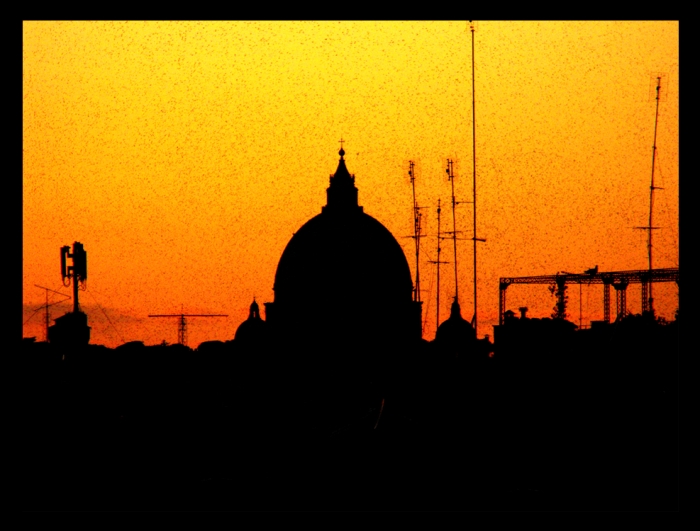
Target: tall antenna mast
[
  {"x": 650, "y": 227},
  {"x": 652, "y": 188},
  {"x": 451, "y": 178},
  {"x": 472, "y": 27},
  {"x": 416, "y": 228},
  {"x": 438, "y": 262}
]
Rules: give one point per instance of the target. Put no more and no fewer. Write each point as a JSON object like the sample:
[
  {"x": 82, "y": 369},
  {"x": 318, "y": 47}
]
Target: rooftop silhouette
[{"x": 335, "y": 401}]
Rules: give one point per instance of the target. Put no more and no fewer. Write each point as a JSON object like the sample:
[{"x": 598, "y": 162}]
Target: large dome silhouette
[{"x": 343, "y": 277}]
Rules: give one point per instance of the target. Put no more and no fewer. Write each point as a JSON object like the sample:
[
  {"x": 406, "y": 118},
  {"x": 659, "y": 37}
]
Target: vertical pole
[
  {"x": 474, "y": 168},
  {"x": 651, "y": 193},
  {"x": 621, "y": 292},
  {"x": 450, "y": 172},
  {"x": 606, "y": 302},
  {"x": 437, "y": 316},
  {"x": 76, "y": 307},
  {"x": 501, "y": 301},
  {"x": 46, "y": 317},
  {"x": 561, "y": 298},
  {"x": 416, "y": 228},
  {"x": 418, "y": 234},
  {"x": 181, "y": 331}
]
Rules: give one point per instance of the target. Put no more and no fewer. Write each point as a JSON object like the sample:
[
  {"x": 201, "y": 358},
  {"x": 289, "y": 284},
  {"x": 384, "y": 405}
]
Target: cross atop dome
[{"x": 342, "y": 193}]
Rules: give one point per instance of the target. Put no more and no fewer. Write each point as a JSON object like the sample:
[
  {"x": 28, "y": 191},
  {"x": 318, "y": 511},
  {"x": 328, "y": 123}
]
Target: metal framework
[
  {"x": 417, "y": 230},
  {"x": 182, "y": 324},
  {"x": 46, "y": 307},
  {"x": 617, "y": 279}
]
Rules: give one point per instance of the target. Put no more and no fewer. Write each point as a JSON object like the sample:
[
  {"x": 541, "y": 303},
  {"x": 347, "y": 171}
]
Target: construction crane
[
  {"x": 182, "y": 324},
  {"x": 619, "y": 280}
]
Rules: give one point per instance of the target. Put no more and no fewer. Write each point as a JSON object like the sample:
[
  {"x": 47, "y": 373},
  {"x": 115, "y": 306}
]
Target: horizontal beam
[
  {"x": 190, "y": 315},
  {"x": 610, "y": 277}
]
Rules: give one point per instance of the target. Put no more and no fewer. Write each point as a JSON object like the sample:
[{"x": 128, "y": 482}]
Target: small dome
[
  {"x": 455, "y": 334},
  {"x": 252, "y": 330}
]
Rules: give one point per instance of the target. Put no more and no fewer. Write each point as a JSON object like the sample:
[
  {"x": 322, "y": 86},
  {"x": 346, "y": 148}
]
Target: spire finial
[{"x": 342, "y": 151}]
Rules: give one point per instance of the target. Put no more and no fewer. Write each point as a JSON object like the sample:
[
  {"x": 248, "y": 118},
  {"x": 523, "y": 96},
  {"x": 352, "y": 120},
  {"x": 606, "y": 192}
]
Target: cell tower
[
  {"x": 77, "y": 273},
  {"x": 72, "y": 328}
]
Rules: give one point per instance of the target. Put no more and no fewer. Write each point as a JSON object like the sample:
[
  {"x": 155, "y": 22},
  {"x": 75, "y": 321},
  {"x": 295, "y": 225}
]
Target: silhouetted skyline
[{"x": 185, "y": 154}]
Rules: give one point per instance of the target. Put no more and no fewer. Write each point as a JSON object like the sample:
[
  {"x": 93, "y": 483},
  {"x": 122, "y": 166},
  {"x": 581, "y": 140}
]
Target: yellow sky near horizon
[{"x": 183, "y": 155}]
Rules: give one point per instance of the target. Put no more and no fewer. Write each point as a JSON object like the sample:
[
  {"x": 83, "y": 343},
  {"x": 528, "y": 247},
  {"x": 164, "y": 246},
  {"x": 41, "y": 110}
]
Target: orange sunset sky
[{"x": 184, "y": 155}]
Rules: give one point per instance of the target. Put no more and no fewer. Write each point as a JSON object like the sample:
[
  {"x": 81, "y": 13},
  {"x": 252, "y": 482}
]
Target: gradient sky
[{"x": 183, "y": 155}]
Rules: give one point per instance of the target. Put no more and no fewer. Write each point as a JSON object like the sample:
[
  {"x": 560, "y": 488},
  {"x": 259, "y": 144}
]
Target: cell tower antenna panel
[{"x": 76, "y": 273}]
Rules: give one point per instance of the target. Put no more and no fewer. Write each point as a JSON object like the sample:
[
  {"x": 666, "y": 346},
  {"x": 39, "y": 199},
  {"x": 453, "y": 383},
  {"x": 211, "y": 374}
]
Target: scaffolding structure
[{"x": 619, "y": 280}]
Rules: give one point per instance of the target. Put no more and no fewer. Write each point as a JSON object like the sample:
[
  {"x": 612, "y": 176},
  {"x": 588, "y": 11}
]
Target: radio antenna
[
  {"x": 416, "y": 228},
  {"x": 451, "y": 178},
  {"x": 648, "y": 302},
  {"x": 438, "y": 262},
  {"x": 472, "y": 27}
]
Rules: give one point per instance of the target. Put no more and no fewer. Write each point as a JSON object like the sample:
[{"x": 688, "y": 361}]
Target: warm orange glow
[{"x": 183, "y": 155}]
